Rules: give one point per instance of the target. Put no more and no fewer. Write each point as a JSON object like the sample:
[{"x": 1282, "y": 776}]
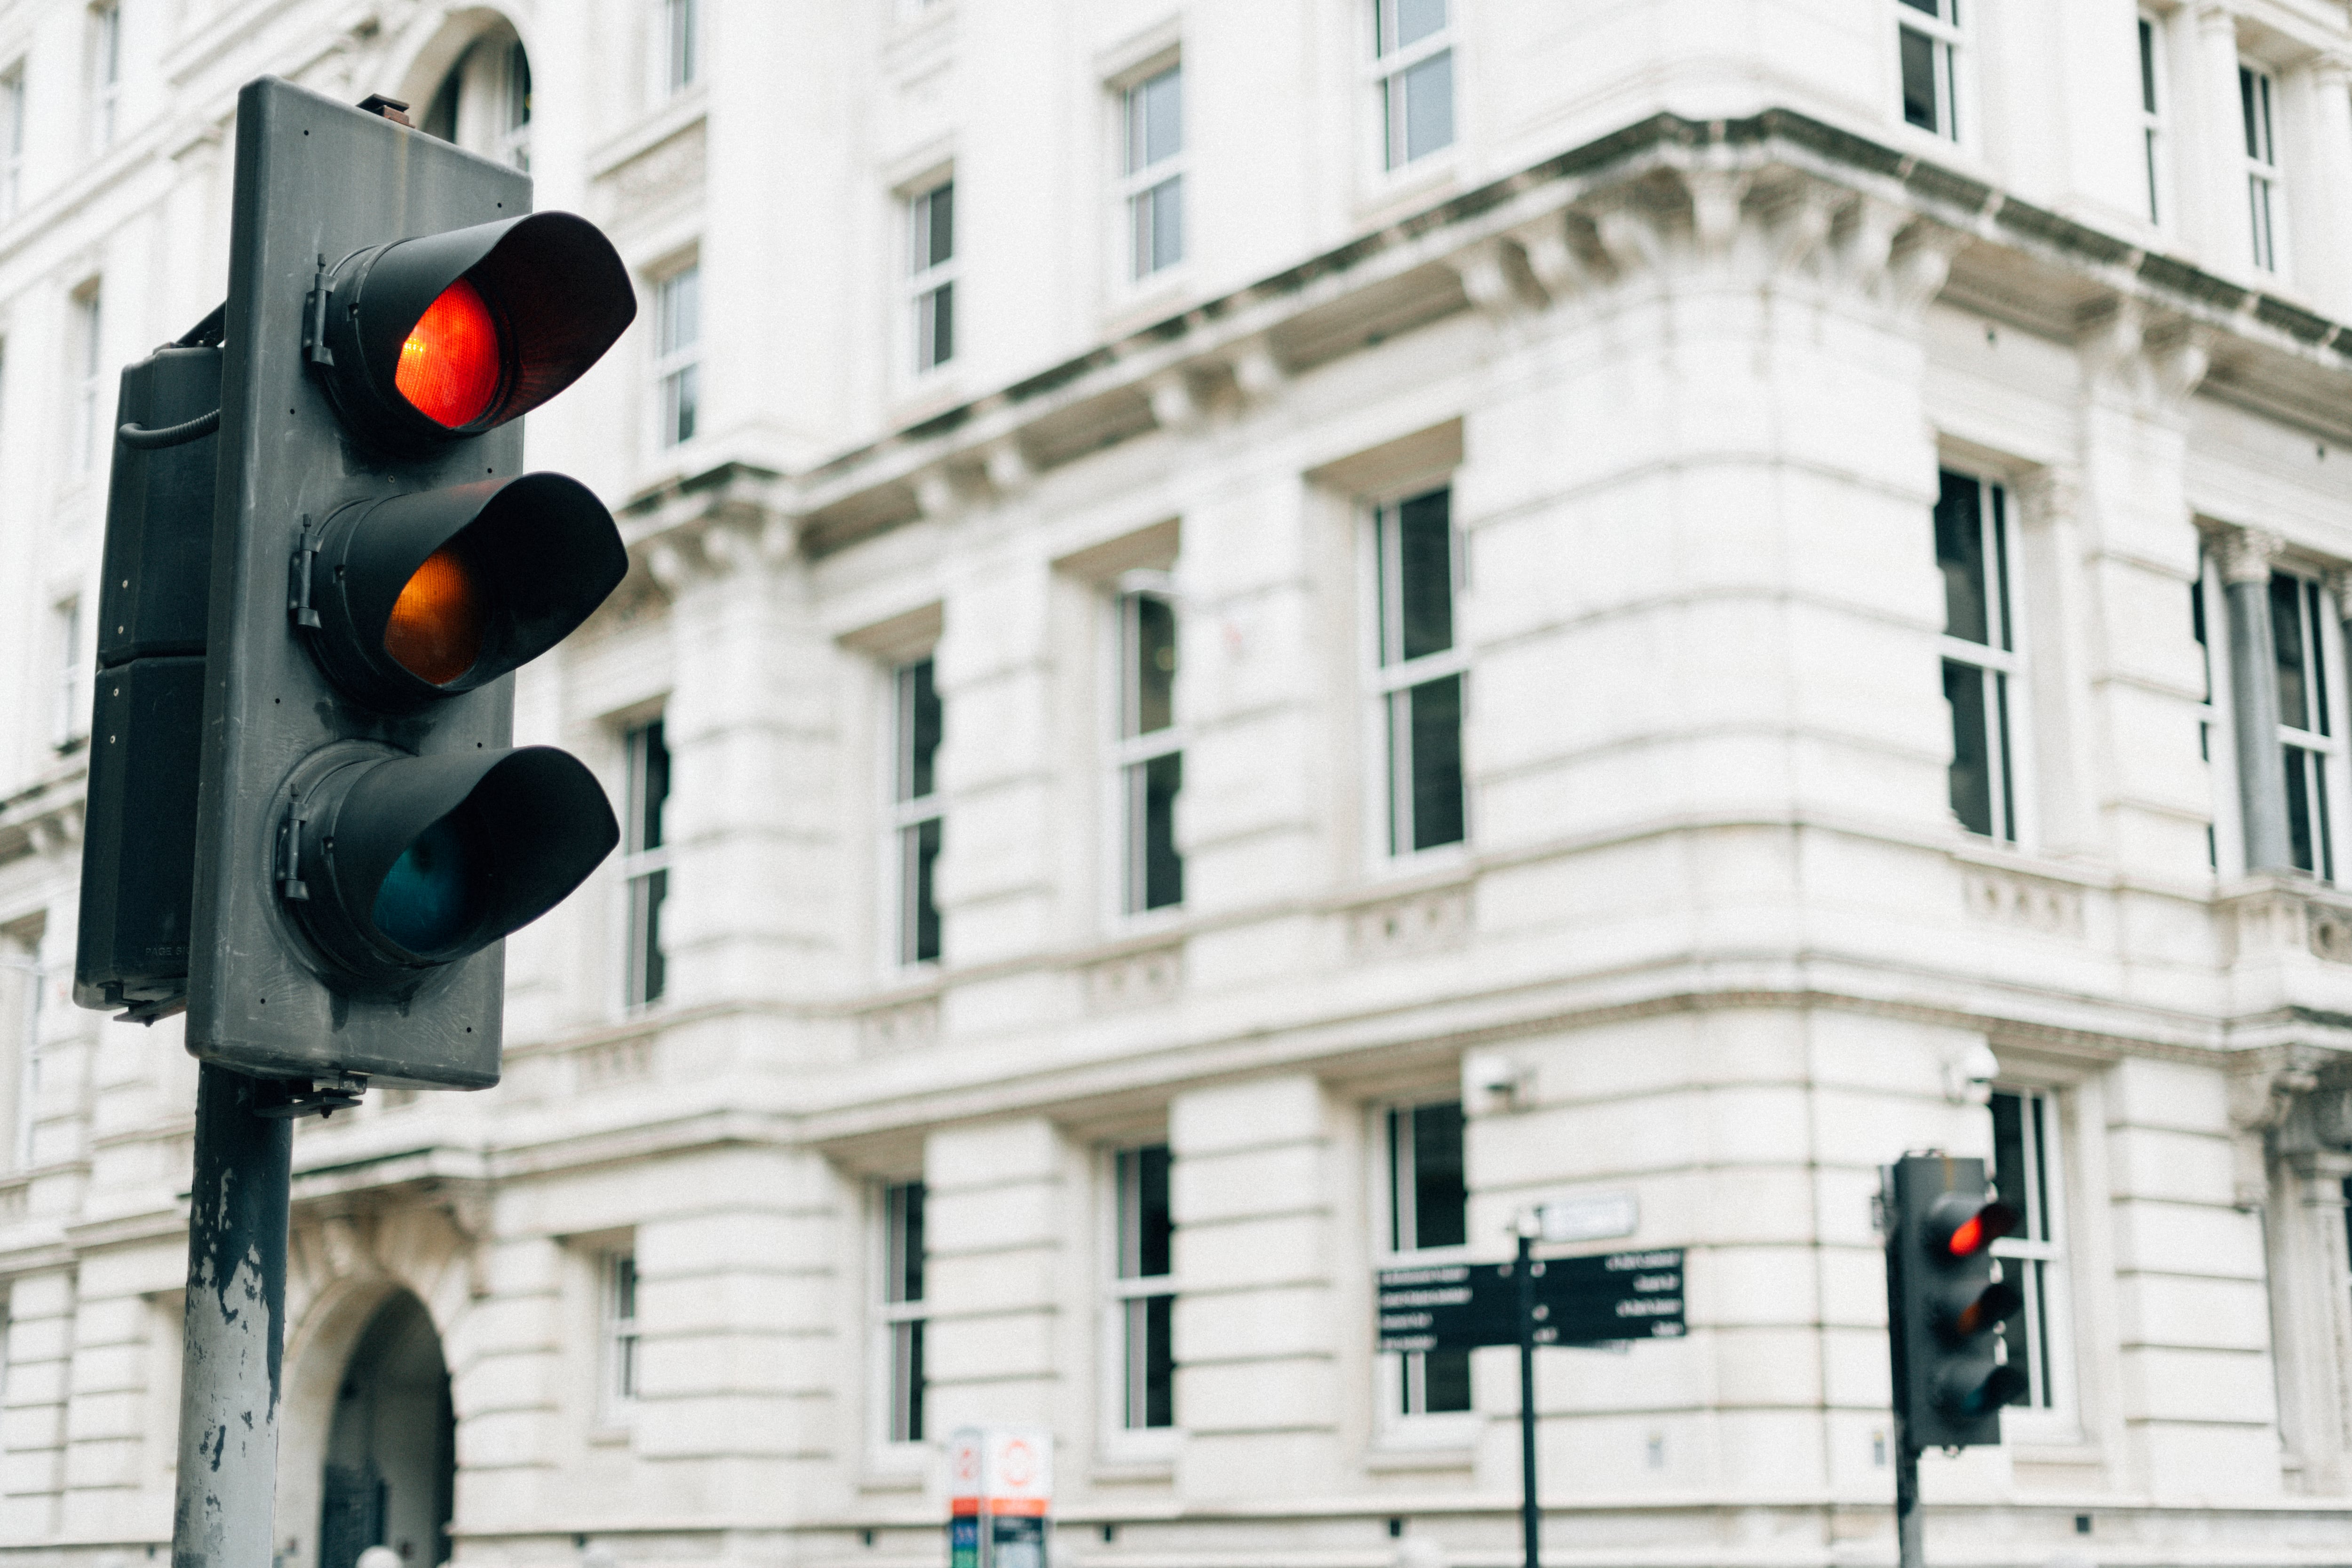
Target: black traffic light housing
[
  {"x": 382, "y": 565},
  {"x": 1945, "y": 1306}
]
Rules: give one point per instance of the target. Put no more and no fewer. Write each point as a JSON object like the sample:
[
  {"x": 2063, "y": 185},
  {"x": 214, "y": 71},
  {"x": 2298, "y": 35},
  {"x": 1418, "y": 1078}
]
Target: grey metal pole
[
  {"x": 233, "y": 1330},
  {"x": 1910, "y": 1546},
  {"x": 1530, "y": 1515}
]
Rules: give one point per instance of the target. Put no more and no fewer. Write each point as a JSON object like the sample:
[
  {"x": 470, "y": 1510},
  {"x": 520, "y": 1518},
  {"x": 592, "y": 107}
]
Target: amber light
[
  {"x": 435, "y": 629},
  {"x": 449, "y": 365}
]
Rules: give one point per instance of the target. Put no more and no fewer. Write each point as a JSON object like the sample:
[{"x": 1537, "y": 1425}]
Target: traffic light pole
[
  {"x": 1530, "y": 1515},
  {"x": 233, "y": 1325},
  {"x": 1909, "y": 1547}
]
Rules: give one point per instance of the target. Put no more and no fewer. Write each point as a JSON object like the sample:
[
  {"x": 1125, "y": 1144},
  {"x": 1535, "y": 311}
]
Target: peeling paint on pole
[{"x": 233, "y": 1330}]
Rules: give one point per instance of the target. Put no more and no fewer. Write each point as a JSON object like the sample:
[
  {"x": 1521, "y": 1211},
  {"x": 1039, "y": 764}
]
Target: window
[
  {"x": 2207, "y": 714},
  {"x": 682, "y": 25},
  {"x": 677, "y": 353},
  {"x": 105, "y": 72},
  {"x": 1979, "y": 653},
  {"x": 88, "y": 349},
  {"x": 1414, "y": 58},
  {"x": 1429, "y": 1207},
  {"x": 931, "y": 236},
  {"x": 645, "y": 863},
  {"x": 2151, "y": 115},
  {"x": 1142, "y": 1300},
  {"x": 916, "y": 822},
  {"x": 12, "y": 139},
  {"x": 1419, "y": 672},
  {"x": 1148, "y": 753},
  {"x": 2298, "y": 620},
  {"x": 69, "y": 718},
  {"x": 514, "y": 110},
  {"x": 2027, "y": 1171},
  {"x": 2262, "y": 205},
  {"x": 1154, "y": 177},
  {"x": 620, "y": 1310},
  {"x": 901, "y": 1310},
  {"x": 1927, "y": 45}
]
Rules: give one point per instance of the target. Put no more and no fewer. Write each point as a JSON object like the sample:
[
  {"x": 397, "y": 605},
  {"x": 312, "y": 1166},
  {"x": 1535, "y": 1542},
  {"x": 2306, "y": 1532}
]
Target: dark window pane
[
  {"x": 2146, "y": 65},
  {"x": 649, "y": 783},
  {"x": 1930, "y": 6},
  {"x": 1445, "y": 1381},
  {"x": 905, "y": 1220},
  {"x": 919, "y": 853},
  {"x": 1159, "y": 1362},
  {"x": 1424, "y": 567},
  {"x": 1971, "y": 770},
  {"x": 1437, "y": 815},
  {"x": 2298, "y": 810},
  {"x": 2317, "y": 620},
  {"x": 2196, "y": 630},
  {"x": 2319, "y": 796},
  {"x": 1155, "y": 665},
  {"x": 1154, "y": 1230},
  {"x": 1440, "y": 1200},
  {"x": 919, "y": 730},
  {"x": 1959, "y": 551},
  {"x": 1918, "y": 54},
  {"x": 2008, "y": 785},
  {"x": 939, "y": 236},
  {"x": 2286, "y": 639},
  {"x": 2246, "y": 109},
  {"x": 1163, "y": 867},
  {"x": 2009, "y": 1148},
  {"x": 649, "y": 893}
]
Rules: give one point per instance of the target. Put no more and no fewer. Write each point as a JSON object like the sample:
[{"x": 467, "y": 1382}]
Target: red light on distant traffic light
[
  {"x": 436, "y": 627},
  {"x": 450, "y": 363}
]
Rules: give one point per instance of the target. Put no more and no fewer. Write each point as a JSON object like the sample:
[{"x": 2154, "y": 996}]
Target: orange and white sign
[{"x": 1000, "y": 1470}]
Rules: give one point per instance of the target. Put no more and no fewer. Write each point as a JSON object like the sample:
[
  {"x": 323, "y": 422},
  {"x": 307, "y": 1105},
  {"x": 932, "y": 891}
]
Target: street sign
[
  {"x": 1595, "y": 1217},
  {"x": 1595, "y": 1300},
  {"x": 1000, "y": 1491}
]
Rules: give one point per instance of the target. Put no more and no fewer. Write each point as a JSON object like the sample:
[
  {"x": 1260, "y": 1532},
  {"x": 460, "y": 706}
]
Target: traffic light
[
  {"x": 367, "y": 832},
  {"x": 1945, "y": 1306}
]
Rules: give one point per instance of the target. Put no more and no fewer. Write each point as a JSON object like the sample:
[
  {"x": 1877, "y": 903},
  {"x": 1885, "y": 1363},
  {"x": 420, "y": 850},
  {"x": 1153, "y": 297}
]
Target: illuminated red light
[
  {"x": 1969, "y": 1237},
  {"x": 436, "y": 628},
  {"x": 449, "y": 365}
]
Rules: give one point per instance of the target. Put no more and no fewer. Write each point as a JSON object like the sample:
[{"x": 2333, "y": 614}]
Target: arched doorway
[{"x": 391, "y": 1471}]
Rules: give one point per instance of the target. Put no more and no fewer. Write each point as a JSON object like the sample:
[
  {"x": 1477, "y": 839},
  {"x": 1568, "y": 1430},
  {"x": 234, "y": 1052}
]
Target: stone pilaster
[
  {"x": 1000, "y": 1223},
  {"x": 2246, "y": 557}
]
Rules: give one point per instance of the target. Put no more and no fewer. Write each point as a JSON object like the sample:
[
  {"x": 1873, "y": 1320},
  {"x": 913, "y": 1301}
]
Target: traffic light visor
[
  {"x": 455, "y": 333},
  {"x": 1962, "y": 1227},
  {"x": 427, "y": 859},
  {"x": 439, "y": 592},
  {"x": 449, "y": 365}
]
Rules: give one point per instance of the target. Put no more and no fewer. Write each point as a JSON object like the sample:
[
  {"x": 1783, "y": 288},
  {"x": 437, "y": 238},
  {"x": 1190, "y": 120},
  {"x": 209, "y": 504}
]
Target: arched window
[{"x": 483, "y": 104}]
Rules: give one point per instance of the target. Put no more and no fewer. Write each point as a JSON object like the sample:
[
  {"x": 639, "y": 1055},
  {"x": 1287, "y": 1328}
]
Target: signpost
[
  {"x": 1606, "y": 1299},
  {"x": 1000, "y": 1491}
]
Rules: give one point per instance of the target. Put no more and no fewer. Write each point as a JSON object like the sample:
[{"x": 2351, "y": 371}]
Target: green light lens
[{"x": 431, "y": 896}]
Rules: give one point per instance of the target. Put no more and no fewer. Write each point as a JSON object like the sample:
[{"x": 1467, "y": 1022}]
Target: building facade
[{"x": 1259, "y": 635}]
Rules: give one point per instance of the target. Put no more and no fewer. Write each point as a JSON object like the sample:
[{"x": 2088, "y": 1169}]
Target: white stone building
[{"x": 1259, "y": 633}]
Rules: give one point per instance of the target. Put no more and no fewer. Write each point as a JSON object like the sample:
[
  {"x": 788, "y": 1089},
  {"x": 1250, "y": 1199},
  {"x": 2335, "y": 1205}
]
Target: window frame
[
  {"x": 676, "y": 366},
  {"x": 896, "y": 1315},
  {"x": 2155, "y": 117},
  {"x": 1388, "y": 686},
  {"x": 513, "y": 143},
  {"x": 1386, "y": 72},
  {"x": 2048, "y": 1317},
  {"x": 105, "y": 66},
  {"x": 90, "y": 329},
  {"x": 2265, "y": 175},
  {"x": 925, "y": 281},
  {"x": 69, "y": 720},
  {"x": 1130, "y": 753},
  {"x": 12, "y": 105},
  {"x": 2225, "y": 833},
  {"x": 1137, "y": 184},
  {"x": 620, "y": 1334},
  {"x": 1397, "y": 1424},
  {"x": 1946, "y": 35},
  {"x": 1121, "y": 1293},
  {"x": 2323, "y": 749},
  {"x": 680, "y": 59},
  {"x": 645, "y": 978},
  {"x": 2003, "y": 661},
  {"x": 905, "y": 813}
]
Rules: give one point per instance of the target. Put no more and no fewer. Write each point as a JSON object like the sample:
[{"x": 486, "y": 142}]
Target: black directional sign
[{"x": 1579, "y": 1300}]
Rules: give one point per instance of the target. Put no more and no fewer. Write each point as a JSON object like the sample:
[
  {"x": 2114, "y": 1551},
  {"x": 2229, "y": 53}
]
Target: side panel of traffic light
[
  {"x": 1947, "y": 1306},
  {"x": 367, "y": 834}
]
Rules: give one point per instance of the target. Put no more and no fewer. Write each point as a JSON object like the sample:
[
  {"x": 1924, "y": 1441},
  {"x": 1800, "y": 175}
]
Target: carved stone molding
[
  {"x": 2247, "y": 555},
  {"x": 612, "y": 1063},
  {"x": 1426, "y": 922},
  {"x": 902, "y": 1025},
  {"x": 1135, "y": 979},
  {"x": 2024, "y": 902}
]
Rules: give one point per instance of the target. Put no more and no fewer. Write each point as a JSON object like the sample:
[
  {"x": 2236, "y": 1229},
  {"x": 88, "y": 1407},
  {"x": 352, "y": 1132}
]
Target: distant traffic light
[
  {"x": 1945, "y": 1306},
  {"x": 367, "y": 833}
]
